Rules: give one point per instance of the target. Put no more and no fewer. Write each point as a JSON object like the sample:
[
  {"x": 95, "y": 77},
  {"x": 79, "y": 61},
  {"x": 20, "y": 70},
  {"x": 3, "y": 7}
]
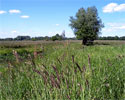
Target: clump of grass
[{"x": 67, "y": 73}]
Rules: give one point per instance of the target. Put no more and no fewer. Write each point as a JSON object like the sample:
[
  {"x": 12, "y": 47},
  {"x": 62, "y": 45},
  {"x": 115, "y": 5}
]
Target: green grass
[{"x": 66, "y": 71}]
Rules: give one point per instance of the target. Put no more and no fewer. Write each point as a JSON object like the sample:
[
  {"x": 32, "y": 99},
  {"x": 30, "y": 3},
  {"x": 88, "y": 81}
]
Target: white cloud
[
  {"x": 14, "y": 11},
  {"x": 14, "y": 31},
  {"x": 105, "y": 30},
  {"x": 120, "y": 8},
  {"x": 117, "y": 26},
  {"x": 2, "y": 12},
  {"x": 122, "y": 27},
  {"x": 112, "y": 24},
  {"x": 110, "y": 7},
  {"x": 24, "y": 16},
  {"x": 113, "y": 29},
  {"x": 114, "y": 7},
  {"x": 57, "y": 24}
]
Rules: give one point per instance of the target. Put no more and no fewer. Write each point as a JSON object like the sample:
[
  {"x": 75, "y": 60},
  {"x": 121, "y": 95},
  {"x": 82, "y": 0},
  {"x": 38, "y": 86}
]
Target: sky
[{"x": 49, "y": 17}]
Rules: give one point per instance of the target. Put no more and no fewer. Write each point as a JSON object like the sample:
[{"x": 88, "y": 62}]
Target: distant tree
[
  {"x": 33, "y": 39},
  {"x": 46, "y": 38},
  {"x": 111, "y": 38},
  {"x": 122, "y": 38},
  {"x": 22, "y": 38},
  {"x": 63, "y": 35},
  {"x": 56, "y": 37},
  {"x": 9, "y": 39},
  {"x": 116, "y": 38},
  {"x": 86, "y": 24}
]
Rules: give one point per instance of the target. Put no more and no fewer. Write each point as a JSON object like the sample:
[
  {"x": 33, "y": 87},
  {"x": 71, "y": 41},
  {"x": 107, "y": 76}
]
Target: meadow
[{"x": 62, "y": 70}]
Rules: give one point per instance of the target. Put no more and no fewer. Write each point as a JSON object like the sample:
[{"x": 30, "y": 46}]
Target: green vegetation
[
  {"x": 86, "y": 24},
  {"x": 62, "y": 71},
  {"x": 63, "y": 38},
  {"x": 111, "y": 38},
  {"x": 56, "y": 37}
]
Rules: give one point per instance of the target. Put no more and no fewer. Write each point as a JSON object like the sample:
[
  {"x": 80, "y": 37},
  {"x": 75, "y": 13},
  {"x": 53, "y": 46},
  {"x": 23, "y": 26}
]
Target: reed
[{"x": 65, "y": 73}]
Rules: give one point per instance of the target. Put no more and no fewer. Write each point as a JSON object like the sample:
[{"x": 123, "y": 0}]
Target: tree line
[
  {"x": 58, "y": 37},
  {"x": 47, "y": 38},
  {"x": 111, "y": 38}
]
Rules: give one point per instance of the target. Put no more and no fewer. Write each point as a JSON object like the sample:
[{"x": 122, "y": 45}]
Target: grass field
[{"x": 62, "y": 70}]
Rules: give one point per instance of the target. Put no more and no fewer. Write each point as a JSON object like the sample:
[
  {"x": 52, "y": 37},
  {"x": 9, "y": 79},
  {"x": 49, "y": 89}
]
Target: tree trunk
[{"x": 84, "y": 41}]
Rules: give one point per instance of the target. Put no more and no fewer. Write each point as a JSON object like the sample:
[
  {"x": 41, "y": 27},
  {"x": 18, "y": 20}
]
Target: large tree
[{"x": 86, "y": 24}]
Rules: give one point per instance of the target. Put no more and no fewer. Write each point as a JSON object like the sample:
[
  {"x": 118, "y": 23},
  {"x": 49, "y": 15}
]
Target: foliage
[
  {"x": 22, "y": 38},
  {"x": 111, "y": 38},
  {"x": 56, "y": 37},
  {"x": 66, "y": 71},
  {"x": 64, "y": 38},
  {"x": 86, "y": 24}
]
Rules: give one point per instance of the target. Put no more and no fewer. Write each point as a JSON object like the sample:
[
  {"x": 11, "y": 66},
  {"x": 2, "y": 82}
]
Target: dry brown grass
[
  {"x": 110, "y": 42},
  {"x": 17, "y": 44}
]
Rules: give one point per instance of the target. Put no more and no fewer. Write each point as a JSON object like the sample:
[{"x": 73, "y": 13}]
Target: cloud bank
[
  {"x": 25, "y": 16},
  {"x": 113, "y": 29},
  {"x": 114, "y": 7},
  {"x": 117, "y": 26},
  {"x": 2, "y": 12},
  {"x": 14, "y": 11}
]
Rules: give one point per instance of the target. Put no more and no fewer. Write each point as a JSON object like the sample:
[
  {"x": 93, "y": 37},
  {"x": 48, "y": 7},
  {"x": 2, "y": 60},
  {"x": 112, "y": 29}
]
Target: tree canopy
[
  {"x": 86, "y": 24},
  {"x": 56, "y": 37}
]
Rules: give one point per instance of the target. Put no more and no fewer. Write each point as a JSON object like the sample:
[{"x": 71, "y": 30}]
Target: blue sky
[{"x": 49, "y": 17}]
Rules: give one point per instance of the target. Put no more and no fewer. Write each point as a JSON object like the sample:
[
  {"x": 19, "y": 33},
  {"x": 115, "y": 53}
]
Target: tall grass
[{"x": 67, "y": 71}]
